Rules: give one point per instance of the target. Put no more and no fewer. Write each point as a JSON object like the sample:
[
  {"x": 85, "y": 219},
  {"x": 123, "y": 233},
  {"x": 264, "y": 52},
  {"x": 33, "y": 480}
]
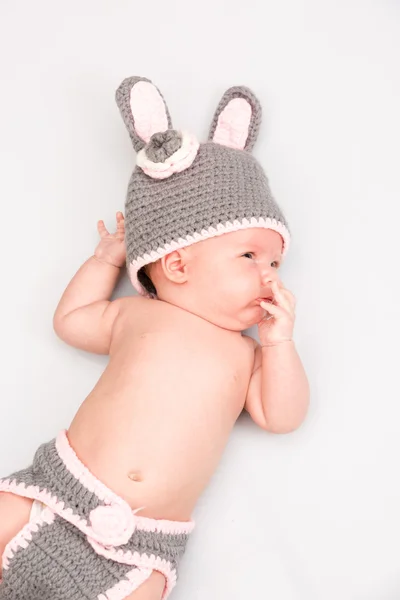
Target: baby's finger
[
  {"x": 120, "y": 223},
  {"x": 101, "y": 228},
  {"x": 279, "y": 296},
  {"x": 273, "y": 309}
]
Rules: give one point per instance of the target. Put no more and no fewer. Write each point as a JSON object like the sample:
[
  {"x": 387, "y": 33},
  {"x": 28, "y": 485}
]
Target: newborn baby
[{"x": 104, "y": 511}]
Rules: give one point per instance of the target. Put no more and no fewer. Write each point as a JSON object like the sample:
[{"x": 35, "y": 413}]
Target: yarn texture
[{"x": 182, "y": 192}]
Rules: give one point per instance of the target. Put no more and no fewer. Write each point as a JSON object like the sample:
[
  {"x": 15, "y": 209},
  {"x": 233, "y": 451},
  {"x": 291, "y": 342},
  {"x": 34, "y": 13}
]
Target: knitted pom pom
[
  {"x": 167, "y": 153},
  {"x": 163, "y": 145}
]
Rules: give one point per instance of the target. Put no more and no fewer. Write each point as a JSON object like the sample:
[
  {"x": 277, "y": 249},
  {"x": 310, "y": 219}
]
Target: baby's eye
[
  {"x": 275, "y": 264},
  {"x": 251, "y": 254}
]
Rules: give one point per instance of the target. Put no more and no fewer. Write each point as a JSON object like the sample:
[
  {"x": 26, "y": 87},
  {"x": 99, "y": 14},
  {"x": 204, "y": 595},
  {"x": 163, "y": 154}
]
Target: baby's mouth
[{"x": 269, "y": 299}]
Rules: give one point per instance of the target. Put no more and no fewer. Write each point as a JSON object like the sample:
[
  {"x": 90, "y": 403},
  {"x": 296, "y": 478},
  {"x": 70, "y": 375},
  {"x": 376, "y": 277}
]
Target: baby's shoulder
[
  {"x": 129, "y": 306},
  {"x": 131, "y": 302}
]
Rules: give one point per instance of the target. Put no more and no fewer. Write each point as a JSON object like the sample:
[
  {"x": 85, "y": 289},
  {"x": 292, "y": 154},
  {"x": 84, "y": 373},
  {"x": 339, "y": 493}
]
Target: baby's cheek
[{"x": 233, "y": 286}]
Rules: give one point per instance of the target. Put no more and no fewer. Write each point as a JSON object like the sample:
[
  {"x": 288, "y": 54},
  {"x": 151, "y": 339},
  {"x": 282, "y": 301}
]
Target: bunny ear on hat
[
  {"x": 237, "y": 120},
  {"x": 143, "y": 109},
  {"x": 161, "y": 151},
  {"x": 224, "y": 190}
]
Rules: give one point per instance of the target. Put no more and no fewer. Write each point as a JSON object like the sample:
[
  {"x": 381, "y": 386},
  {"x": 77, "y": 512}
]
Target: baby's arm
[
  {"x": 85, "y": 315},
  {"x": 278, "y": 393}
]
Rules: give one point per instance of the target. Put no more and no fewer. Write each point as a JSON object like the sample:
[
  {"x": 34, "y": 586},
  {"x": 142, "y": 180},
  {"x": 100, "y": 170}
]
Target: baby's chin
[
  {"x": 252, "y": 314},
  {"x": 232, "y": 316},
  {"x": 257, "y": 315},
  {"x": 246, "y": 317}
]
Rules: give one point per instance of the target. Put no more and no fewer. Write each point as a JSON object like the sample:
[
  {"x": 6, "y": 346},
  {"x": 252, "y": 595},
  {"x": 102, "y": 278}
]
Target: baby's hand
[
  {"x": 111, "y": 248},
  {"x": 277, "y": 326}
]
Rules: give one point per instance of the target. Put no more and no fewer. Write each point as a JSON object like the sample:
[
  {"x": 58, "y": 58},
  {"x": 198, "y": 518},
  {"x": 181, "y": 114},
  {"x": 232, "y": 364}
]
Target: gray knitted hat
[{"x": 182, "y": 192}]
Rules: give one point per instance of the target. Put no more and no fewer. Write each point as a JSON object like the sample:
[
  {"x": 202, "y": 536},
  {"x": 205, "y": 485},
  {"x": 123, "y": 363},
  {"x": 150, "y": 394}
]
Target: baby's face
[{"x": 233, "y": 272}]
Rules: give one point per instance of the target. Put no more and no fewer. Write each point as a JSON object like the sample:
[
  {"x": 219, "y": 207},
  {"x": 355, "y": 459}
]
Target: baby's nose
[{"x": 269, "y": 275}]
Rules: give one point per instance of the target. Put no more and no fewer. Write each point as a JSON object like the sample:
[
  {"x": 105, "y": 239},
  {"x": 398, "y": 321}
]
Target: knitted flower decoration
[{"x": 167, "y": 153}]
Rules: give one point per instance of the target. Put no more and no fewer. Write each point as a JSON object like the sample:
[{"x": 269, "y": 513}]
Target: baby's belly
[{"x": 157, "y": 451}]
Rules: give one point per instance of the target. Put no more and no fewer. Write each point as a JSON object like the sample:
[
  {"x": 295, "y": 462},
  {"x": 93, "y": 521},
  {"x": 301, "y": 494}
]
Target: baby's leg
[
  {"x": 151, "y": 589},
  {"x": 14, "y": 514}
]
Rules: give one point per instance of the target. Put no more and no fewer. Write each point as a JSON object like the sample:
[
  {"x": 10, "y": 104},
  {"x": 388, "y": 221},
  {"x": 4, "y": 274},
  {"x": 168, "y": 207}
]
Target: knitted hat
[{"x": 182, "y": 192}]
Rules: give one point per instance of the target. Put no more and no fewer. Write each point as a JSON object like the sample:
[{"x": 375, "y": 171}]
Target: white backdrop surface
[{"x": 309, "y": 516}]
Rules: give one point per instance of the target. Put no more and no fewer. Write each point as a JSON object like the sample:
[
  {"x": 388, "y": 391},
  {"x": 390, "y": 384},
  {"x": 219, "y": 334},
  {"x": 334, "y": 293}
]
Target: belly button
[{"x": 134, "y": 477}]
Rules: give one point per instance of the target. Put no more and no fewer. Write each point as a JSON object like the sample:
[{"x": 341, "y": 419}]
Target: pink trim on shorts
[
  {"x": 220, "y": 229},
  {"x": 92, "y": 484},
  {"x": 155, "y": 563},
  {"x": 34, "y": 493},
  {"x": 123, "y": 588},
  {"x": 24, "y": 536}
]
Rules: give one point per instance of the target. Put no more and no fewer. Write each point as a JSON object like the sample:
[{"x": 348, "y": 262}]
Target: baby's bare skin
[
  {"x": 180, "y": 371},
  {"x": 155, "y": 425}
]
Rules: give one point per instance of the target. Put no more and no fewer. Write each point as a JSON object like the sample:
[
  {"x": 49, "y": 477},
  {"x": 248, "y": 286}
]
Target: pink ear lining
[
  {"x": 148, "y": 110},
  {"x": 233, "y": 124}
]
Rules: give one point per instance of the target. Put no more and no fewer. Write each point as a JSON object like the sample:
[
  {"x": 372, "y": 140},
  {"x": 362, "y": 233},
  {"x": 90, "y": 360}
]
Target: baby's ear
[
  {"x": 175, "y": 265},
  {"x": 237, "y": 120},
  {"x": 143, "y": 110}
]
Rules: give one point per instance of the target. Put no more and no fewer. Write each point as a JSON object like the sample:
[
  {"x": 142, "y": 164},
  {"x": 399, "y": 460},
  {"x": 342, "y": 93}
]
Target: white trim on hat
[{"x": 153, "y": 256}]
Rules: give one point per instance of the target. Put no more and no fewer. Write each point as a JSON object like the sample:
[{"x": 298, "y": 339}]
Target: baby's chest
[{"x": 225, "y": 374}]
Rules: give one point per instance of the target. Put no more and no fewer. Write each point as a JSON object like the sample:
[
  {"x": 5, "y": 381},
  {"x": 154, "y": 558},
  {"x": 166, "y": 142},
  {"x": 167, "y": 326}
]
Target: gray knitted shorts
[{"x": 87, "y": 544}]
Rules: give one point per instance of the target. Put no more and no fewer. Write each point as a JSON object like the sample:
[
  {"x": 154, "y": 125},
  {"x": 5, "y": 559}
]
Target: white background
[{"x": 314, "y": 515}]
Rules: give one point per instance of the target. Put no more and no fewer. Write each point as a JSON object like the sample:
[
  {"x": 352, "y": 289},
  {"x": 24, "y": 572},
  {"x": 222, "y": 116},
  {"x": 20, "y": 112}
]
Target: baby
[{"x": 104, "y": 511}]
